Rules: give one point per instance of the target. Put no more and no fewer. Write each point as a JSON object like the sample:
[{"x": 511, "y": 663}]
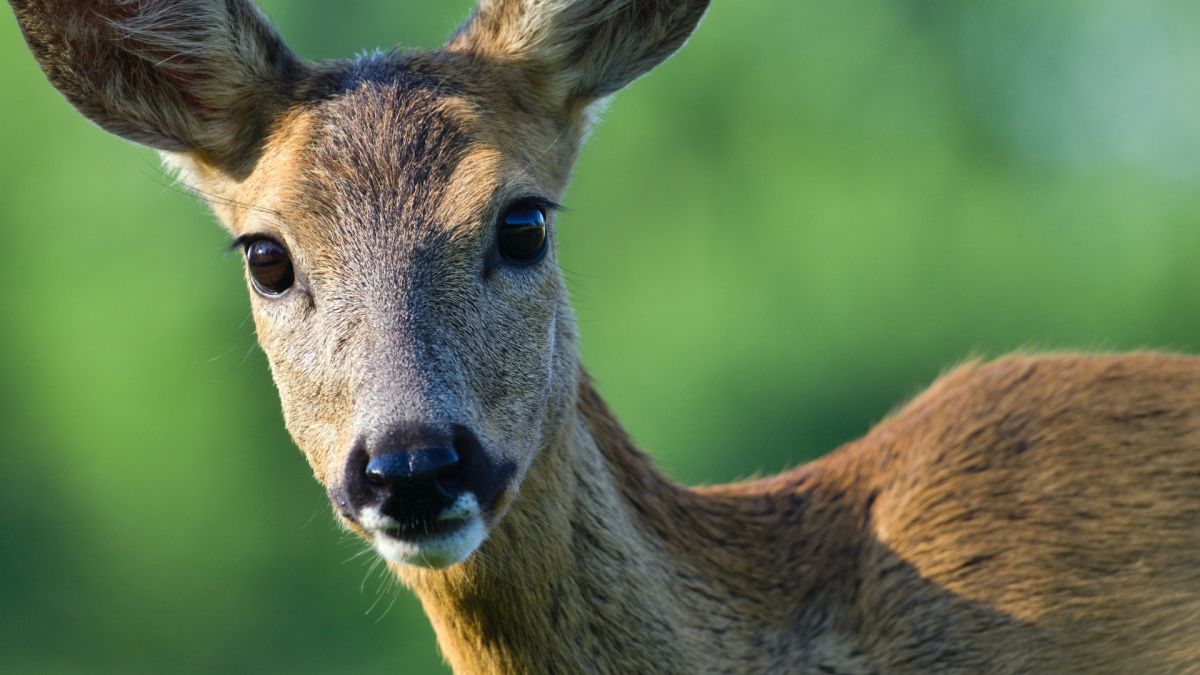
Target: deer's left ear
[
  {"x": 197, "y": 76},
  {"x": 578, "y": 50}
]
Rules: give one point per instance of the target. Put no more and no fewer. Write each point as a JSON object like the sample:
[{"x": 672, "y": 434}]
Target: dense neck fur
[{"x": 603, "y": 565}]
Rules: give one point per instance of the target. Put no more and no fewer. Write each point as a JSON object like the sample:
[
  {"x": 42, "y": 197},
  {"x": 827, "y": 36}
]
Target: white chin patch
[{"x": 433, "y": 551}]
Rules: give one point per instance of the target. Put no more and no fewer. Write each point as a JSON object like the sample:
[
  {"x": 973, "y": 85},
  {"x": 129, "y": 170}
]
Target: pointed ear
[
  {"x": 579, "y": 50},
  {"x": 204, "y": 77}
]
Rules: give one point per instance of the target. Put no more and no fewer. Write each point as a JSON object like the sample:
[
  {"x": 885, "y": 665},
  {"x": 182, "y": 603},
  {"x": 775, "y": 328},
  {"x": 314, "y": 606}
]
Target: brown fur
[{"x": 1032, "y": 515}]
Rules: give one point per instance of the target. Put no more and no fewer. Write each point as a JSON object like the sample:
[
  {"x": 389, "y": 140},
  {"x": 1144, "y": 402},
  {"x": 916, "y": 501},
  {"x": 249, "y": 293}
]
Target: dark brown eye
[
  {"x": 270, "y": 267},
  {"x": 522, "y": 235}
]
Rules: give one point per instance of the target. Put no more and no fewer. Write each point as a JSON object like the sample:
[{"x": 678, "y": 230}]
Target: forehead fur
[
  {"x": 382, "y": 152},
  {"x": 393, "y": 155}
]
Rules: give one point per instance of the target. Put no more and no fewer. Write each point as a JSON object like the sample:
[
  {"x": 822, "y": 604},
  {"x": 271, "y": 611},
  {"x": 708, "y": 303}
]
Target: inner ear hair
[
  {"x": 196, "y": 76},
  {"x": 579, "y": 50}
]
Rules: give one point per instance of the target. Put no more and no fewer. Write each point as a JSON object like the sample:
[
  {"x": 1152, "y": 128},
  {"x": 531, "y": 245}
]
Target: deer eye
[
  {"x": 522, "y": 235},
  {"x": 270, "y": 267}
]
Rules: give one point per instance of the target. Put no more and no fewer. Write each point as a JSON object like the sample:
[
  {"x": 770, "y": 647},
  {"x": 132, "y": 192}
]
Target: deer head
[{"x": 397, "y": 215}]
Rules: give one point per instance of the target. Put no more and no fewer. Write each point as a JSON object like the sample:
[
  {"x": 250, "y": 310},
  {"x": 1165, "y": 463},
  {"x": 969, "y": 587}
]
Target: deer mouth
[
  {"x": 448, "y": 539},
  {"x": 450, "y": 519}
]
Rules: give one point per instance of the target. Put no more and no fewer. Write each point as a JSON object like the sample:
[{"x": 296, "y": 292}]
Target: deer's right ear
[
  {"x": 577, "y": 51},
  {"x": 181, "y": 75}
]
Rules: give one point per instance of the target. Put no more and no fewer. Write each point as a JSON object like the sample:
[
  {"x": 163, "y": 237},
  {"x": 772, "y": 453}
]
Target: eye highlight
[
  {"x": 270, "y": 267},
  {"x": 521, "y": 237}
]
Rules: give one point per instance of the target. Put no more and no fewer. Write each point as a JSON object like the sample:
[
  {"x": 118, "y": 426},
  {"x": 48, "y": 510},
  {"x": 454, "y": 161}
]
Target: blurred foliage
[{"x": 772, "y": 240}]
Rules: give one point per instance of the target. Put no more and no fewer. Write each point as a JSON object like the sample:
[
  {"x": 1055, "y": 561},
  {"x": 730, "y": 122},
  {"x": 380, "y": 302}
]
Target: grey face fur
[{"x": 402, "y": 323}]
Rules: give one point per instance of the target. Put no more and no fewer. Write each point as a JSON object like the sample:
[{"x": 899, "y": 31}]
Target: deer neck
[{"x": 586, "y": 572}]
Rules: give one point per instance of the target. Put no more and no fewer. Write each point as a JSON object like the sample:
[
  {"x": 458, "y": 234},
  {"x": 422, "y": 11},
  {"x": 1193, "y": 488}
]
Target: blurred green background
[{"x": 780, "y": 234}]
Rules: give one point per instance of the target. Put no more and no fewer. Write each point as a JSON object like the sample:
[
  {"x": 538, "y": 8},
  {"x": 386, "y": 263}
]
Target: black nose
[
  {"x": 419, "y": 477},
  {"x": 409, "y": 473}
]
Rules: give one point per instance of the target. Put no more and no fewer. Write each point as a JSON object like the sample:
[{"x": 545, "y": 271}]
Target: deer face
[
  {"x": 400, "y": 260},
  {"x": 397, "y": 217}
]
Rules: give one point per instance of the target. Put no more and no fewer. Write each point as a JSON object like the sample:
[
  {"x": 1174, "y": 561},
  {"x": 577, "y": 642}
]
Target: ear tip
[{"x": 199, "y": 76}]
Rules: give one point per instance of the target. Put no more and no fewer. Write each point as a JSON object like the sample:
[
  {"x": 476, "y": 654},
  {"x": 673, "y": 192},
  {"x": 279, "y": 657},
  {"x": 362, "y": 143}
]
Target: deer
[{"x": 1037, "y": 513}]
